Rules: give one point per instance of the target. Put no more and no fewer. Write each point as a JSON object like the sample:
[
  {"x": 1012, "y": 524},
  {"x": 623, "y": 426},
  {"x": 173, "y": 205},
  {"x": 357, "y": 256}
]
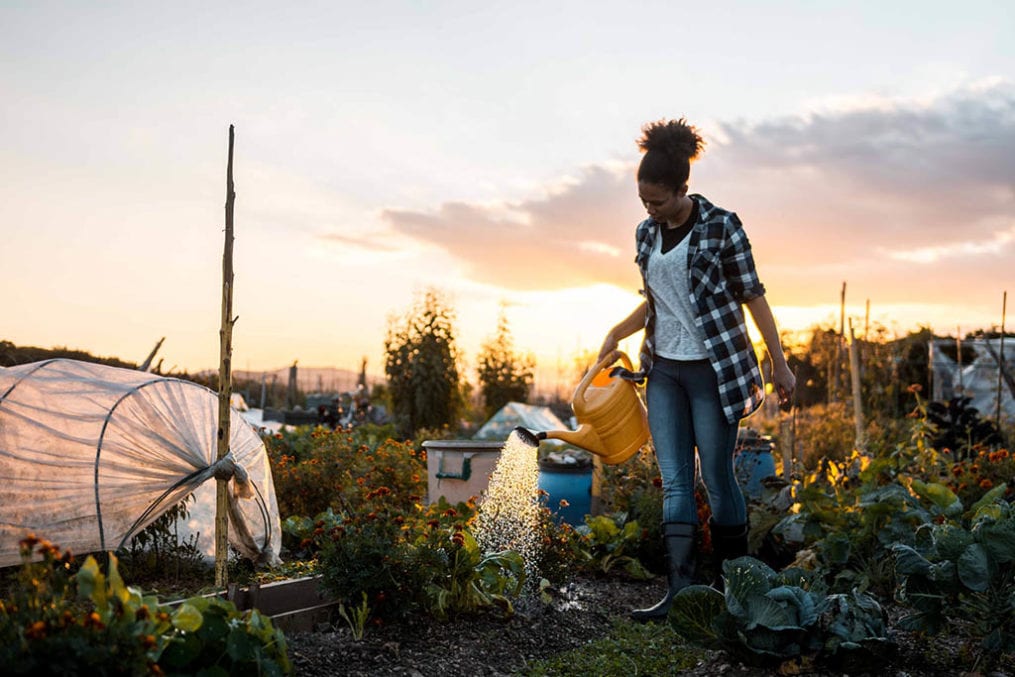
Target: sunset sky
[{"x": 487, "y": 149}]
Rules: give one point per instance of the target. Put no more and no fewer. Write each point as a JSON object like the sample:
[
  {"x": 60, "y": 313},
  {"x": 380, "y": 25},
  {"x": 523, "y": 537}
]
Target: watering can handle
[{"x": 579, "y": 392}]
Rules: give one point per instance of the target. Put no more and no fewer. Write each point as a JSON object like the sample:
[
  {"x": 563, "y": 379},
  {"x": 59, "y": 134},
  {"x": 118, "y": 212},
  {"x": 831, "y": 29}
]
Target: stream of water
[{"x": 508, "y": 513}]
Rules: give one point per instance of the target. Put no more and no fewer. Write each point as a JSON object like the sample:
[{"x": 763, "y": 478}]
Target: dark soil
[{"x": 585, "y": 612}]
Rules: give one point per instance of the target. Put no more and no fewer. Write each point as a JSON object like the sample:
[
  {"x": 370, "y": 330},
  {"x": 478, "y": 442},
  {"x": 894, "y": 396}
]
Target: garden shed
[{"x": 91, "y": 454}]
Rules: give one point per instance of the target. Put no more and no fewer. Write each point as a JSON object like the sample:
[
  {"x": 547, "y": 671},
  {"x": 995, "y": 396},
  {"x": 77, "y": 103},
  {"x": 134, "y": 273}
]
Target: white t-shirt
[{"x": 677, "y": 335}]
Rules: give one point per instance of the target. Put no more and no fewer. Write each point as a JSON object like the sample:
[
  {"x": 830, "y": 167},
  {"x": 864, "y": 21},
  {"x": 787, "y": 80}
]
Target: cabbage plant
[{"x": 767, "y": 616}]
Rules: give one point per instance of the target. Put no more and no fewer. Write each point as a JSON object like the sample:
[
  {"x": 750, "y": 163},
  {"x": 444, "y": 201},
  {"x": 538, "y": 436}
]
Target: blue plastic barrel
[
  {"x": 570, "y": 483},
  {"x": 752, "y": 465}
]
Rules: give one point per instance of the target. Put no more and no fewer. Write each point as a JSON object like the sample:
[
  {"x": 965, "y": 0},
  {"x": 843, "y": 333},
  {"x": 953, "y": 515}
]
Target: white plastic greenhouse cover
[{"x": 90, "y": 455}]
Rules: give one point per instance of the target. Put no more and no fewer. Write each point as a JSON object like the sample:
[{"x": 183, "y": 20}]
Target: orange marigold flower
[
  {"x": 29, "y": 541},
  {"x": 451, "y": 512},
  {"x": 957, "y": 469},
  {"x": 148, "y": 641},
  {"x": 986, "y": 483},
  {"x": 36, "y": 630},
  {"x": 914, "y": 388}
]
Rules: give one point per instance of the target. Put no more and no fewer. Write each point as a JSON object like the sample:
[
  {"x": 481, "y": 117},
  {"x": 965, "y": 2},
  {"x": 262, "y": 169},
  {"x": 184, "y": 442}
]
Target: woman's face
[{"x": 661, "y": 202}]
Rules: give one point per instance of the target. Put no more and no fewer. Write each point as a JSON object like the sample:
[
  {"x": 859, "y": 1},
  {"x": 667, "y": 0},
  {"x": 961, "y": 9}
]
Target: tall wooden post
[
  {"x": 1000, "y": 359},
  {"x": 854, "y": 368},
  {"x": 225, "y": 382}
]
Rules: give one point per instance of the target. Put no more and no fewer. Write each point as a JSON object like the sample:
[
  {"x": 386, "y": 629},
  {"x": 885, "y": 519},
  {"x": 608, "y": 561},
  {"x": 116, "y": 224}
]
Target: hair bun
[{"x": 674, "y": 138}]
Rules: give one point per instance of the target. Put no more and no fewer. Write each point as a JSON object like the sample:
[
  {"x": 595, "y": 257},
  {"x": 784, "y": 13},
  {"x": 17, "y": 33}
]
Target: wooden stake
[
  {"x": 225, "y": 382},
  {"x": 840, "y": 345},
  {"x": 1000, "y": 358},
  {"x": 854, "y": 368}
]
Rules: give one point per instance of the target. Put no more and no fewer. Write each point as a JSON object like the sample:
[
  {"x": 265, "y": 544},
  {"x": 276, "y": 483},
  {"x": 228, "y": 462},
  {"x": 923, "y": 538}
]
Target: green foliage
[
  {"x": 634, "y": 489},
  {"x": 211, "y": 636},
  {"x": 504, "y": 376},
  {"x": 629, "y": 649},
  {"x": 421, "y": 364},
  {"x": 965, "y": 575},
  {"x": 475, "y": 580},
  {"x": 356, "y": 617},
  {"x": 609, "y": 542},
  {"x": 90, "y": 622},
  {"x": 768, "y": 617},
  {"x": 960, "y": 428},
  {"x": 158, "y": 554},
  {"x": 424, "y": 562}
]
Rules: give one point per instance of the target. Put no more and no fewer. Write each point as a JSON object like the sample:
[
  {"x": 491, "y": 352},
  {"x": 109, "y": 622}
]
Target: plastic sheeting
[
  {"x": 979, "y": 380},
  {"x": 90, "y": 455}
]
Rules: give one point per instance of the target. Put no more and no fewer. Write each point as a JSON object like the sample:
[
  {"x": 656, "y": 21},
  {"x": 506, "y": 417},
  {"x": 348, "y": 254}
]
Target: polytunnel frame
[{"x": 261, "y": 504}]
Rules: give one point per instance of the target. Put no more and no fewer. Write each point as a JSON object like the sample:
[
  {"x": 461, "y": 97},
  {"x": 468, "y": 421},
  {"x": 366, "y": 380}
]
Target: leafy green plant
[
  {"x": 769, "y": 617},
  {"x": 356, "y": 617},
  {"x": 965, "y": 575},
  {"x": 475, "y": 580},
  {"x": 89, "y": 621},
  {"x": 609, "y": 540}
]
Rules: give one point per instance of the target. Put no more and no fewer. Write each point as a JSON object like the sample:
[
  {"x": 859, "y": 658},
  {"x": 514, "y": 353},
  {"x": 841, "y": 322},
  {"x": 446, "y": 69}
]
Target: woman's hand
[{"x": 784, "y": 382}]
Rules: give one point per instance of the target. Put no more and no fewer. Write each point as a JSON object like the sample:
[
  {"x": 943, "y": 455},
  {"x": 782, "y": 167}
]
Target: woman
[{"x": 703, "y": 375}]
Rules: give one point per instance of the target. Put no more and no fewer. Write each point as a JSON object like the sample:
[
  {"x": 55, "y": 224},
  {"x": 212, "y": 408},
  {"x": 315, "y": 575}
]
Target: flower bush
[{"x": 62, "y": 621}]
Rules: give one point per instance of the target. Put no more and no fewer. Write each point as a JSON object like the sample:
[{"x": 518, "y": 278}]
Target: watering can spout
[
  {"x": 528, "y": 437},
  {"x": 585, "y": 437}
]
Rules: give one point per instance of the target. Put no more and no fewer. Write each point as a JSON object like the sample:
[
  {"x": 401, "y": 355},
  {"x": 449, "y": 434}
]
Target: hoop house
[{"x": 90, "y": 455}]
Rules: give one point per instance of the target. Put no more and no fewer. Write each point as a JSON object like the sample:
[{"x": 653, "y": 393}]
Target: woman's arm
[
  {"x": 626, "y": 327},
  {"x": 782, "y": 378}
]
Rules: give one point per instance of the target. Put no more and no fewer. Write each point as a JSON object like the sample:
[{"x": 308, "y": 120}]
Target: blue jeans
[{"x": 683, "y": 413}]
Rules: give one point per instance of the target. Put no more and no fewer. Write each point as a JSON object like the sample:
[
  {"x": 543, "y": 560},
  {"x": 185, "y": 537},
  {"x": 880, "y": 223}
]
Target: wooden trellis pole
[
  {"x": 854, "y": 369},
  {"x": 1000, "y": 358},
  {"x": 225, "y": 382}
]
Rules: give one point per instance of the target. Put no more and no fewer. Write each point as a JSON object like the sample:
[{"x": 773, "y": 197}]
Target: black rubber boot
[
  {"x": 728, "y": 542},
  {"x": 679, "y": 541}
]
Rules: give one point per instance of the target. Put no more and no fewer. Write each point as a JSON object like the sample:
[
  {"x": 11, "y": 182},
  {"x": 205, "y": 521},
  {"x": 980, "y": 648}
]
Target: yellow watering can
[{"x": 611, "y": 417}]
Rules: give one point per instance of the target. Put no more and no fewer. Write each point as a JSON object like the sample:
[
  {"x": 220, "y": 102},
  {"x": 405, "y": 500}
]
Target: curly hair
[{"x": 669, "y": 147}]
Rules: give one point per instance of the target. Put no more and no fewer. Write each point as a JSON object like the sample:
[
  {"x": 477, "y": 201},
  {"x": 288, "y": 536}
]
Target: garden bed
[{"x": 588, "y": 612}]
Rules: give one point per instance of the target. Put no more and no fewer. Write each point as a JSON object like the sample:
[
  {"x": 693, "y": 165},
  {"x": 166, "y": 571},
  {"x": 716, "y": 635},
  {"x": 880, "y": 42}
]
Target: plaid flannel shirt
[{"x": 723, "y": 278}]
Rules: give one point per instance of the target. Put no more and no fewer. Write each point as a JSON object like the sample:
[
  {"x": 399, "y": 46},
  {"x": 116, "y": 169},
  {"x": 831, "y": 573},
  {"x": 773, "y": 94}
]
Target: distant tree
[
  {"x": 504, "y": 375},
  {"x": 421, "y": 363}
]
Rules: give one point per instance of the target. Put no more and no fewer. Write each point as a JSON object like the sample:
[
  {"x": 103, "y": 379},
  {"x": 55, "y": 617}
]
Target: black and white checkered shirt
[{"x": 723, "y": 278}]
